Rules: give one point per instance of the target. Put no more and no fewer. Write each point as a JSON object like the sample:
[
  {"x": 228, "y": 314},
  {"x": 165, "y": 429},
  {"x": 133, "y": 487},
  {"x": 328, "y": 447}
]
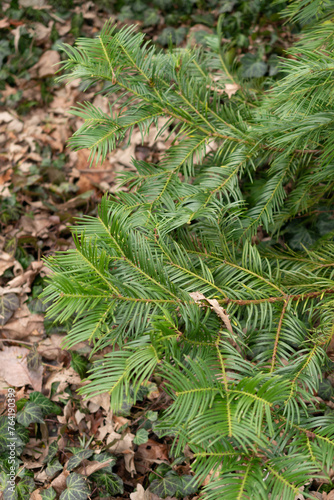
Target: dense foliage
[{"x": 187, "y": 274}]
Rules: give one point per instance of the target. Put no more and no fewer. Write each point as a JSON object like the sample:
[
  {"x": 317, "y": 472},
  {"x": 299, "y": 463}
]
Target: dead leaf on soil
[
  {"x": 140, "y": 493},
  {"x": 14, "y": 369},
  {"x": 50, "y": 348},
  {"x": 120, "y": 421},
  {"x": 59, "y": 483},
  {"x": 100, "y": 401},
  {"x": 79, "y": 416},
  {"x": 107, "y": 428},
  {"x": 124, "y": 443},
  {"x": 6, "y": 261},
  {"x": 40, "y": 32},
  {"x": 65, "y": 378},
  {"x": 47, "y": 65},
  {"x": 129, "y": 461},
  {"x": 25, "y": 279},
  {"x": 24, "y": 324},
  {"x": 152, "y": 451},
  {"x": 6, "y": 117},
  {"x": 41, "y": 476},
  {"x": 89, "y": 467},
  {"x": 4, "y": 23},
  {"x": 36, "y": 495},
  {"x": 67, "y": 413},
  {"x": 38, "y": 226},
  {"x": 195, "y": 29}
]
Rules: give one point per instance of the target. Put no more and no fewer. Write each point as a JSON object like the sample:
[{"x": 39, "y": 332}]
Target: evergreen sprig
[{"x": 168, "y": 273}]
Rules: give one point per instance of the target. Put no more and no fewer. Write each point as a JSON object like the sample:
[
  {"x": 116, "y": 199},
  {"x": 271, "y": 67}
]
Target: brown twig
[{"x": 273, "y": 359}]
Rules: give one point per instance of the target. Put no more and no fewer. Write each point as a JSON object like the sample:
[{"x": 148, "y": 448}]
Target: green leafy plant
[
  {"x": 33, "y": 411},
  {"x": 174, "y": 272}
]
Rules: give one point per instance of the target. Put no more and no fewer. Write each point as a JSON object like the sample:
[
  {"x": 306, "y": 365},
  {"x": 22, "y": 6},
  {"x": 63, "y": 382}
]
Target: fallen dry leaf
[
  {"x": 195, "y": 29},
  {"x": 59, "y": 483},
  {"x": 67, "y": 413},
  {"x": 129, "y": 461},
  {"x": 65, "y": 378},
  {"x": 155, "y": 497},
  {"x": 120, "y": 421},
  {"x": 25, "y": 279},
  {"x": 6, "y": 117},
  {"x": 41, "y": 476},
  {"x": 48, "y": 64},
  {"x": 140, "y": 493},
  {"x": 108, "y": 428},
  {"x": 51, "y": 347},
  {"x": 41, "y": 32},
  {"x": 152, "y": 451},
  {"x": 231, "y": 89},
  {"x": 23, "y": 324},
  {"x": 35, "y": 448},
  {"x": 36, "y": 495},
  {"x": 6, "y": 261},
  {"x": 4, "y": 23},
  {"x": 89, "y": 467},
  {"x": 96, "y": 402},
  {"x": 79, "y": 416},
  {"x": 220, "y": 311},
  {"x": 14, "y": 369},
  {"x": 38, "y": 226},
  {"x": 124, "y": 443},
  {"x": 15, "y": 126}
]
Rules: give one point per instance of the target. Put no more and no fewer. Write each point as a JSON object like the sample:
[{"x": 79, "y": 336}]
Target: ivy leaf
[
  {"x": 45, "y": 404},
  {"x": 160, "y": 471},
  {"x": 20, "y": 403},
  {"x": 166, "y": 486},
  {"x": 105, "y": 457},
  {"x": 141, "y": 437},
  {"x": 3, "y": 480},
  {"x": 8, "y": 304},
  {"x": 52, "y": 452},
  {"x": 4, "y": 50},
  {"x": 172, "y": 35},
  {"x": 6, "y": 488},
  {"x": 34, "y": 359},
  {"x": 49, "y": 494},
  {"x": 9, "y": 493},
  {"x": 78, "y": 457},
  {"x": 110, "y": 482},
  {"x": 151, "y": 18},
  {"x": 301, "y": 237},
  {"x": 30, "y": 413},
  {"x": 186, "y": 486},
  {"x": 152, "y": 415},
  {"x": 25, "y": 487},
  {"x": 76, "y": 488},
  {"x": 252, "y": 67},
  {"x": 53, "y": 467},
  {"x": 20, "y": 433},
  {"x": 4, "y": 434},
  {"x": 79, "y": 364},
  {"x": 325, "y": 390}
]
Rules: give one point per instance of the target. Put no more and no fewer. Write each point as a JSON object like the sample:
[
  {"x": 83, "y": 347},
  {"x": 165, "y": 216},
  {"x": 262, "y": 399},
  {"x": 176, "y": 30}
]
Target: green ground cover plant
[{"x": 187, "y": 273}]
